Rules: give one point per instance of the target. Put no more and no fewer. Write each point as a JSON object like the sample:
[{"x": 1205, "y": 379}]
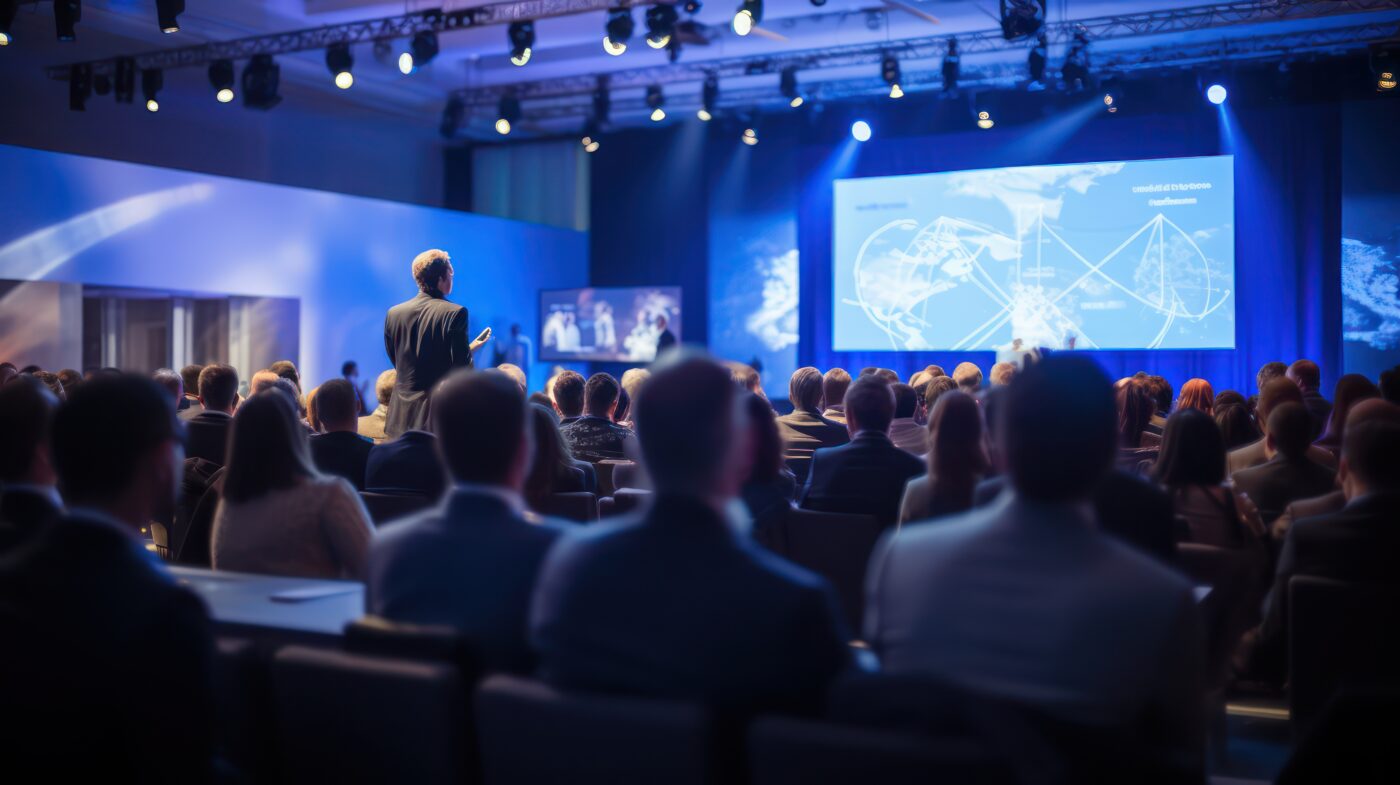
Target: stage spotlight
[
  {"x": 618, "y": 29},
  {"x": 860, "y": 131},
  {"x": 1076, "y": 68},
  {"x": 787, "y": 83},
  {"x": 451, "y": 117},
  {"x": 339, "y": 61},
  {"x": 748, "y": 16},
  {"x": 261, "y": 79},
  {"x": 124, "y": 80},
  {"x": 1112, "y": 95},
  {"x": 889, "y": 71},
  {"x": 79, "y": 86},
  {"x": 221, "y": 79},
  {"x": 655, "y": 100},
  {"x": 661, "y": 25},
  {"x": 984, "y": 119},
  {"x": 8, "y": 9},
  {"x": 1021, "y": 18},
  {"x": 952, "y": 66},
  {"x": 589, "y": 140},
  {"x": 507, "y": 114},
  {"x": 1216, "y": 94},
  {"x": 67, "y": 14},
  {"x": 818, "y": 3},
  {"x": 692, "y": 7},
  {"x": 424, "y": 47},
  {"x": 166, "y": 13},
  {"x": 522, "y": 41},
  {"x": 405, "y": 63},
  {"x": 1384, "y": 59},
  {"x": 152, "y": 79},
  {"x": 709, "y": 98},
  {"x": 750, "y": 137},
  {"x": 1036, "y": 61},
  {"x": 1385, "y": 80}
]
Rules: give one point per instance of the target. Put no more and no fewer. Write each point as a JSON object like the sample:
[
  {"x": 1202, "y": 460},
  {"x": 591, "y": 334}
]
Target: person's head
[
  {"x": 31, "y": 369},
  {"x": 1351, "y": 389},
  {"x": 661, "y": 321},
  {"x": 516, "y": 373},
  {"x": 267, "y": 448},
  {"x": 764, "y": 440},
  {"x": 918, "y": 380},
  {"x": 906, "y": 401},
  {"x": 1237, "y": 428},
  {"x": 956, "y": 453},
  {"x": 288, "y": 390},
  {"x": 568, "y": 393},
  {"x": 1289, "y": 430},
  {"x": 287, "y": 370},
  {"x": 1274, "y": 393},
  {"x": 1305, "y": 374},
  {"x": 935, "y": 388},
  {"x": 1228, "y": 398},
  {"x": 189, "y": 375},
  {"x": 1390, "y": 385},
  {"x": 1135, "y": 408},
  {"x": 633, "y": 379},
  {"x": 8, "y": 371},
  {"x": 26, "y": 418},
  {"x": 550, "y": 455},
  {"x": 1161, "y": 390},
  {"x": 118, "y": 446},
  {"x": 313, "y": 416},
  {"x": 349, "y": 370},
  {"x": 50, "y": 380},
  {"x": 1003, "y": 373},
  {"x": 935, "y": 370},
  {"x": 624, "y": 405},
  {"x": 745, "y": 377},
  {"x": 691, "y": 429},
  {"x": 1197, "y": 394},
  {"x": 262, "y": 380},
  {"x": 218, "y": 387},
  {"x": 1062, "y": 400},
  {"x": 337, "y": 407},
  {"x": 869, "y": 405},
  {"x": 834, "y": 385},
  {"x": 600, "y": 395},
  {"x": 805, "y": 389},
  {"x": 540, "y": 399},
  {"x": 887, "y": 376},
  {"x": 1193, "y": 450},
  {"x": 968, "y": 376},
  {"x": 384, "y": 386},
  {"x": 171, "y": 381},
  {"x": 483, "y": 428},
  {"x": 432, "y": 271},
  {"x": 1267, "y": 373},
  {"x": 70, "y": 378},
  {"x": 1371, "y": 449},
  {"x": 869, "y": 370}
]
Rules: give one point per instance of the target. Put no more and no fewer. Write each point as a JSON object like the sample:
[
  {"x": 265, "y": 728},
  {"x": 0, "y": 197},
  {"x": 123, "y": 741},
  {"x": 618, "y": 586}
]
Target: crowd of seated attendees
[{"x": 1032, "y": 529}]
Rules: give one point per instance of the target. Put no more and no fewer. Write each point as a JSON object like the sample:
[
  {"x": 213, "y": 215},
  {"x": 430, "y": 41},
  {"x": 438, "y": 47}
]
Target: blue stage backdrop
[
  {"x": 346, "y": 258},
  {"x": 1371, "y": 240}
]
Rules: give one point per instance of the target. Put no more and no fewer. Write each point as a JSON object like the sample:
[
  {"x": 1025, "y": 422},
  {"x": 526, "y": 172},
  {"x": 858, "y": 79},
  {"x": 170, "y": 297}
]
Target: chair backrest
[
  {"x": 623, "y": 501},
  {"x": 530, "y": 732},
  {"x": 630, "y": 474},
  {"x": 385, "y": 507},
  {"x": 575, "y": 506},
  {"x": 1340, "y": 636},
  {"x": 243, "y": 698},
  {"x": 351, "y": 718},
  {"x": 836, "y": 546},
  {"x": 1234, "y": 576},
  {"x": 378, "y": 636}
]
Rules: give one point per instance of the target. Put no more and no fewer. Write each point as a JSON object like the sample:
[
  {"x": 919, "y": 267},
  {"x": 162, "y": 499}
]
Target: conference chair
[
  {"x": 530, "y": 732},
  {"x": 1340, "y": 636},
  {"x": 836, "y": 546},
  {"x": 623, "y": 501},
  {"x": 386, "y": 507},
  {"x": 243, "y": 699},
  {"x": 577, "y": 506}
]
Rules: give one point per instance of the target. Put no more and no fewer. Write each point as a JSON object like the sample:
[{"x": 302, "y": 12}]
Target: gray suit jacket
[{"x": 1254, "y": 454}]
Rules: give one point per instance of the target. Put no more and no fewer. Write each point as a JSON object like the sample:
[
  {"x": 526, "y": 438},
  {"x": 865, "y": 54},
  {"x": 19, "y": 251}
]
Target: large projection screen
[{"x": 1113, "y": 255}]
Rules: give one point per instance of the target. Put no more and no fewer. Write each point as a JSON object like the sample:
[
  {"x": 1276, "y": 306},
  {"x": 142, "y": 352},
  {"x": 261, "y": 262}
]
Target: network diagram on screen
[{"x": 1114, "y": 255}]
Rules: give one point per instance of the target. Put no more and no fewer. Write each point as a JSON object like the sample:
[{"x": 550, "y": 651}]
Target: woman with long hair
[
  {"x": 771, "y": 486},
  {"x": 1196, "y": 394},
  {"x": 278, "y": 515},
  {"x": 1191, "y": 468},
  {"x": 1237, "y": 427},
  {"x": 1351, "y": 390},
  {"x": 956, "y": 461},
  {"x": 552, "y": 467}
]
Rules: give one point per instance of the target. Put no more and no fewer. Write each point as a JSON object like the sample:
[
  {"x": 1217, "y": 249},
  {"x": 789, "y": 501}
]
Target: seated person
[
  {"x": 340, "y": 450},
  {"x": 208, "y": 429},
  {"x": 407, "y": 465},
  {"x": 552, "y": 468},
  {"x": 1272, "y": 393},
  {"x": 567, "y": 392},
  {"x": 594, "y": 436},
  {"x": 956, "y": 461},
  {"x": 471, "y": 563},
  {"x": 371, "y": 426},
  {"x": 674, "y": 603},
  {"x": 1191, "y": 468},
  {"x": 1290, "y": 475},
  {"x": 907, "y": 433},
  {"x": 805, "y": 430},
  {"x": 768, "y": 490},
  {"x": 834, "y": 384},
  {"x": 29, "y": 500}
]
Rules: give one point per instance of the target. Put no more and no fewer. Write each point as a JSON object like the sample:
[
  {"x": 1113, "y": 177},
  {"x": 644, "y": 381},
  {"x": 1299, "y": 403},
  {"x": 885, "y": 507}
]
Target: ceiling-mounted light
[
  {"x": 589, "y": 139},
  {"x": 748, "y": 16},
  {"x": 507, "y": 114},
  {"x": 619, "y": 30},
  {"x": 261, "y": 78},
  {"x": 750, "y": 137},
  {"x": 221, "y": 78},
  {"x": 709, "y": 98},
  {"x": 167, "y": 12},
  {"x": 66, "y": 15},
  {"x": 655, "y": 100},
  {"x": 424, "y": 47},
  {"x": 984, "y": 119},
  {"x": 787, "y": 83},
  {"x": 692, "y": 7},
  {"x": 661, "y": 25},
  {"x": 8, "y": 9},
  {"x": 522, "y": 41},
  {"x": 952, "y": 66},
  {"x": 1076, "y": 68},
  {"x": 152, "y": 80},
  {"x": 889, "y": 71},
  {"x": 339, "y": 61}
]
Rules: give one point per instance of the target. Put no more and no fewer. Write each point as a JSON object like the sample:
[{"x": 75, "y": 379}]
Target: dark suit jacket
[
  {"x": 1319, "y": 409},
  {"x": 24, "y": 514},
  {"x": 675, "y": 604},
  {"x": 206, "y": 436},
  {"x": 106, "y": 668},
  {"x": 1271, "y": 486},
  {"x": 425, "y": 337},
  {"x": 865, "y": 477},
  {"x": 342, "y": 453},
  {"x": 408, "y": 464},
  {"x": 664, "y": 341},
  {"x": 470, "y": 564},
  {"x": 189, "y": 408}
]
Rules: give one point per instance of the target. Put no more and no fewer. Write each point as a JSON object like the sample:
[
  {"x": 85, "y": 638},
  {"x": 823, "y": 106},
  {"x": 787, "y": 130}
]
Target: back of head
[
  {"x": 869, "y": 405},
  {"x": 599, "y": 395},
  {"x": 968, "y": 376},
  {"x": 1290, "y": 430},
  {"x": 102, "y": 435},
  {"x": 936, "y": 387},
  {"x": 1193, "y": 451},
  {"x": 290, "y": 391},
  {"x": 935, "y": 370},
  {"x": 766, "y": 441},
  {"x": 262, "y": 380},
  {"x": 287, "y": 370},
  {"x": 267, "y": 448},
  {"x": 1268, "y": 372},
  {"x": 1228, "y": 398},
  {"x": 1161, "y": 390},
  {"x": 744, "y": 375},
  {"x": 69, "y": 377},
  {"x": 1305, "y": 374},
  {"x": 481, "y": 421},
  {"x": 26, "y": 416},
  {"x": 550, "y": 453},
  {"x": 516, "y": 374},
  {"x": 1197, "y": 394},
  {"x": 190, "y": 376},
  {"x": 1371, "y": 450},
  {"x": 686, "y": 423},
  {"x": 430, "y": 266},
  {"x": 51, "y": 381},
  {"x": 349, "y": 367},
  {"x": 835, "y": 382},
  {"x": 805, "y": 389},
  {"x": 887, "y": 376},
  {"x": 1061, "y": 401},
  {"x": 1271, "y": 395},
  {"x": 918, "y": 380},
  {"x": 1135, "y": 408},
  {"x": 171, "y": 381},
  {"x": 568, "y": 393},
  {"x": 384, "y": 386},
  {"x": 1237, "y": 428},
  {"x": 868, "y": 370},
  {"x": 218, "y": 387},
  {"x": 1003, "y": 373},
  {"x": 337, "y": 406},
  {"x": 955, "y": 428},
  {"x": 632, "y": 380},
  {"x": 906, "y": 401},
  {"x": 1353, "y": 388}
]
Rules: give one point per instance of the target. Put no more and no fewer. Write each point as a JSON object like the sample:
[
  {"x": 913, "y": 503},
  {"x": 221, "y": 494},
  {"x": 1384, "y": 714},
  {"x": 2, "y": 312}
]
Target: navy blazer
[
  {"x": 674, "y": 604},
  {"x": 425, "y": 338},
  {"x": 864, "y": 477},
  {"x": 408, "y": 464},
  {"x": 342, "y": 453},
  {"x": 469, "y": 564}
]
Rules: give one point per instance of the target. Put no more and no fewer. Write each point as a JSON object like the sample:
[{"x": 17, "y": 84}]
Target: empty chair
[
  {"x": 385, "y": 507},
  {"x": 351, "y": 718},
  {"x": 1340, "y": 636},
  {"x": 836, "y": 546},
  {"x": 576, "y": 506}
]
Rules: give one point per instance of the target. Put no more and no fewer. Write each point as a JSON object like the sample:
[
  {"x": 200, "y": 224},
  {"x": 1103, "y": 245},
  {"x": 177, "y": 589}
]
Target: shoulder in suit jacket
[
  {"x": 1272, "y": 485},
  {"x": 1254, "y": 454},
  {"x": 408, "y": 464},
  {"x": 25, "y": 512},
  {"x": 804, "y": 432},
  {"x": 342, "y": 453},
  {"x": 206, "y": 436},
  {"x": 425, "y": 338},
  {"x": 864, "y": 477}
]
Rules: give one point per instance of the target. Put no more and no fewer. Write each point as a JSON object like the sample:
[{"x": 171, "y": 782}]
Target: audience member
[
  {"x": 552, "y": 468},
  {"x": 1275, "y": 392},
  {"x": 935, "y": 388},
  {"x": 1191, "y": 468},
  {"x": 1161, "y": 392},
  {"x": 8, "y": 371},
  {"x": 1197, "y": 394},
  {"x": 869, "y": 370},
  {"x": 516, "y": 374},
  {"x": 408, "y": 465},
  {"x": 29, "y": 500},
  {"x": 769, "y": 489},
  {"x": 1374, "y": 409},
  {"x": 1267, "y": 373},
  {"x": 1308, "y": 377},
  {"x": 340, "y": 450},
  {"x": 262, "y": 380},
  {"x": 887, "y": 376},
  {"x": 867, "y": 475},
  {"x": 50, "y": 381},
  {"x": 1026, "y": 600},
  {"x": 834, "y": 385},
  {"x": 746, "y": 378},
  {"x": 636, "y": 607},
  {"x": 1237, "y": 428},
  {"x": 371, "y": 426},
  {"x": 287, "y": 370},
  {"x": 170, "y": 380},
  {"x": 622, "y": 413},
  {"x": 471, "y": 563},
  {"x": 278, "y": 515},
  {"x": 1003, "y": 373},
  {"x": 189, "y": 379},
  {"x": 209, "y": 428},
  {"x": 1290, "y": 475},
  {"x": 907, "y": 433},
  {"x": 568, "y": 394},
  {"x": 968, "y": 377},
  {"x": 595, "y": 437},
  {"x": 956, "y": 461},
  {"x": 633, "y": 379},
  {"x": 70, "y": 378},
  {"x": 934, "y": 371},
  {"x": 106, "y": 667},
  {"x": 1351, "y": 389},
  {"x": 805, "y": 430},
  {"x": 1228, "y": 398},
  {"x": 1135, "y": 408}
]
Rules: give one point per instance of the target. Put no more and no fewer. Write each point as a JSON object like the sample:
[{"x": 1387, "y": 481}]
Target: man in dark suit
[
  {"x": 408, "y": 464},
  {"x": 1308, "y": 377},
  {"x": 1273, "y": 394},
  {"x": 208, "y": 430},
  {"x": 594, "y": 436},
  {"x": 805, "y": 429},
  {"x": 29, "y": 500},
  {"x": 425, "y": 337},
  {"x": 340, "y": 450},
  {"x": 107, "y": 662},
  {"x": 471, "y": 563},
  {"x": 867, "y": 476},
  {"x": 677, "y": 603},
  {"x": 1290, "y": 475},
  {"x": 834, "y": 385},
  {"x": 666, "y": 339}
]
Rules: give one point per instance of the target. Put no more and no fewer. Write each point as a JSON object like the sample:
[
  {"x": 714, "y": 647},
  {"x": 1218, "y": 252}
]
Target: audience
[
  {"x": 207, "y": 430},
  {"x": 1191, "y": 467},
  {"x": 957, "y": 461},
  {"x": 339, "y": 450},
  {"x": 1197, "y": 394},
  {"x": 287, "y": 370},
  {"x": 1351, "y": 389},
  {"x": 1237, "y": 427},
  {"x": 1160, "y": 391},
  {"x": 471, "y": 563},
  {"x": 189, "y": 378},
  {"x": 1275, "y": 392},
  {"x": 968, "y": 377},
  {"x": 768, "y": 490},
  {"x": 834, "y": 385},
  {"x": 408, "y": 465},
  {"x": 805, "y": 430},
  {"x": 935, "y": 388},
  {"x": 1267, "y": 373},
  {"x": 907, "y": 433},
  {"x": 1308, "y": 377},
  {"x": 594, "y": 436},
  {"x": 1290, "y": 475},
  {"x": 567, "y": 394},
  {"x": 263, "y": 380},
  {"x": 167, "y": 378},
  {"x": 70, "y": 378},
  {"x": 1003, "y": 373},
  {"x": 867, "y": 475},
  {"x": 746, "y": 378},
  {"x": 552, "y": 468},
  {"x": 371, "y": 426},
  {"x": 637, "y": 607},
  {"x": 516, "y": 374},
  {"x": 29, "y": 500},
  {"x": 1026, "y": 600},
  {"x": 278, "y": 515},
  {"x": 50, "y": 381}
]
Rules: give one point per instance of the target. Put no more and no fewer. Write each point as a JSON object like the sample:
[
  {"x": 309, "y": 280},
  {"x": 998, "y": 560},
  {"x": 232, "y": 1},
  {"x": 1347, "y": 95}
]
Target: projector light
[
  {"x": 896, "y": 92},
  {"x": 704, "y": 115},
  {"x": 658, "y": 114}
]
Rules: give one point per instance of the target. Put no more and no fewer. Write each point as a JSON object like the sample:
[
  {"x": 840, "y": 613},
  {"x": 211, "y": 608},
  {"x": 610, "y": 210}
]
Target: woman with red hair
[{"x": 1197, "y": 394}]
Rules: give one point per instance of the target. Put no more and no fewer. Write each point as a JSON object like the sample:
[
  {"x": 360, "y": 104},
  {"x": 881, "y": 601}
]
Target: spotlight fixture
[
  {"x": 750, "y": 137},
  {"x": 67, "y": 14},
  {"x": 152, "y": 79},
  {"x": 1021, "y": 18},
  {"x": 451, "y": 118},
  {"x": 1112, "y": 95},
  {"x": 748, "y": 16},
  {"x": 1035, "y": 63},
  {"x": 692, "y": 7},
  {"x": 860, "y": 131},
  {"x": 424, "y": 47},
  {"x": 818, "y": 3},
  {"x": 984, "y": 119},
  {"x": 405, "y": 63},
  {"x": 1076, "y": 68},
  {"x": 261, "y": 79},
  {"x": 589, "y": 140},
  {"x": 221, "y": 79},
  {"x": 522, "y": 41},
  {"x": 1217, "y": 94},
  {"x": 124, "y": 80},
  {"x": 507, "y": 114},
  {"x": 166, "y": 13},
  {"x": 1384, "y": 59},
  {"x": 655, "y": 100},
  {"x": 952, "y": 66},
  {"x": 619, "y": 29},
  {"x": 339, "y": 61},
  {"x": 8, "y": 9},
  {"x": 787, "y": 83},
  {"x": 709, "y": 98},
  {"x": 79, "y": 86},
  {"x": 889, "y": 71},
  {"x": 1385, "y": 80},
  {"x": 661, "y": 25}
]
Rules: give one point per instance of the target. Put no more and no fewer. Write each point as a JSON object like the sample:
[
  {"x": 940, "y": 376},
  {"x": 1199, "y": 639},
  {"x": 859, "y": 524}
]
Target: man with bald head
[
  {"x": 1308, "y": 377},
  {"x": 1274, "y": 392}
]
